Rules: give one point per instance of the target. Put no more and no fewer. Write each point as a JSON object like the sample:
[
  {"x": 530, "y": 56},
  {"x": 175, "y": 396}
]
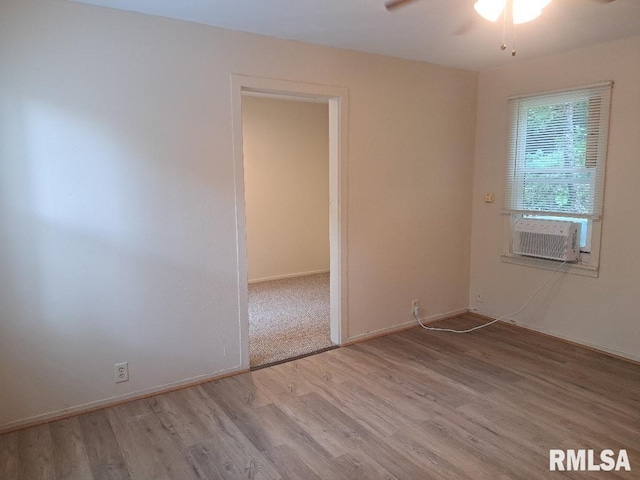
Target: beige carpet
[{"x": 288, "y": 318}]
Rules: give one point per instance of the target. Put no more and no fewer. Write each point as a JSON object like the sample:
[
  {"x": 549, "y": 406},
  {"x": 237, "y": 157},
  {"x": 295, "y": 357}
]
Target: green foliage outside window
[{"x": 556, "y": 176}]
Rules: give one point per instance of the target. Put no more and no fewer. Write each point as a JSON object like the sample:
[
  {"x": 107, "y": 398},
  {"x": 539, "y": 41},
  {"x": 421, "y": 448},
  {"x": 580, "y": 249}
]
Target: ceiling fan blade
[
  {"x": 393, "y": 4},
  {"x": 466, "y": 25}
]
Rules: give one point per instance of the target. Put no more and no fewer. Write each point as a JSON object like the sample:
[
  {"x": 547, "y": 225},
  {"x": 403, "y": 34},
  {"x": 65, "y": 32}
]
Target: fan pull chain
[{"x": 504, "y": 29}]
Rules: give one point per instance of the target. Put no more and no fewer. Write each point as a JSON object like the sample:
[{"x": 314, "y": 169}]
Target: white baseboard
[
  {"x": 594, "y": 346},
  {"x": 289, "y": 275},
  {"x": 112, "y": 401},
  {"x": 570, "y": 339},
  {"x": 404, "y": 326}
]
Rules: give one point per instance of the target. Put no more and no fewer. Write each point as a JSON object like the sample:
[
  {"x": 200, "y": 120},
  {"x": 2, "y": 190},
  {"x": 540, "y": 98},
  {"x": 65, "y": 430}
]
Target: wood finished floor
[{"x": 412, "y": 405}]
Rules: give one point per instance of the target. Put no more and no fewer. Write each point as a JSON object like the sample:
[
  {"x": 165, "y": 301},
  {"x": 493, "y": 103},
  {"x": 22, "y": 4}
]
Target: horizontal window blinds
[{"x": 557, "y": 154}]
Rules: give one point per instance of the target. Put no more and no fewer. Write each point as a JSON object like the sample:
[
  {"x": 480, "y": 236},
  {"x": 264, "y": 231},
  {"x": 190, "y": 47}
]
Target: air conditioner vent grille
[{"x": 550, "y": 239}]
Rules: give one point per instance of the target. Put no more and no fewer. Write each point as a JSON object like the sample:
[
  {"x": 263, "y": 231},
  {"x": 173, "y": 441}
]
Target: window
[{"x": 557, "y": 155}]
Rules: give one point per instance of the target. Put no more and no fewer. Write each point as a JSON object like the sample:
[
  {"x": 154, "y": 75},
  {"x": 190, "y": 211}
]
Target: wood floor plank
[
  {"x": 151, "y": 449},
  {"x": 226, "y": 460},
  {"x": 185, "y": 414},
  {"x": 404, "y": 348},
  {"x": 472, "y": 461},
  {"x": 454, "y": 371},
  {"x": 305, "y": 444},
  {"x": 330, "y": 427},
  {"x": 517, "y": 426},
  {"x": 245, "y": 388},
  {"x": 491, "y": 443},
  {"x": 236, "y": 450},
  {"x": 396, "y": 459},
  {"x": 244, "y": 419},
  {"x": 359, "y": 466},
  {"x": 105, "y": 458},
  {"x": 289, "y": 464},
  {"x": 70, "y": 458},
  {"x": 35, "y": 454},
  {"x": 282, "y": 381},
  {"x": 315, "y": 374},
  {"x": 370, "y": 410},
  {"x": 429, "y": 458},
  {"x": 9, "y": 455},
  {"x": 367, "y": 407},
  {"x": 340, "y": 368},
  {"x": 543, "y": 347},
  {"x": 571, "y": 409},
  {"x": 213, "y": 464},
  {"x": 412, "y": 405},
  {"x": 330, "y": 368},
  {"x": 427, "y": 383},
  {"x": 439, "y": 344},
  {"x": 350, "y": 357},
  {"x": 415, "y": 405}
]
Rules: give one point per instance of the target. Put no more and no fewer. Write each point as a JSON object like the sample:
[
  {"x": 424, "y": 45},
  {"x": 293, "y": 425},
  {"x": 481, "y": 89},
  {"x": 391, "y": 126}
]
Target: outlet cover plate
[{"x": 121, "y": 372}]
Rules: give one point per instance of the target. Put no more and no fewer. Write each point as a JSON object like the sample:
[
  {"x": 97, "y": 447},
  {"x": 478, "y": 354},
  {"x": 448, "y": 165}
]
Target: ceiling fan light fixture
[
  {"x": 490, "y": 9},
  {"x": 523, "y": 10},
  {"x": 527, "y": 10}
]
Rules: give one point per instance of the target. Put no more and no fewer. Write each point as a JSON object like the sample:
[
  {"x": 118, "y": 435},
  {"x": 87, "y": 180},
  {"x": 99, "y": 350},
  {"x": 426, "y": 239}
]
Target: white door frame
[{"x": 338, "y": 108}]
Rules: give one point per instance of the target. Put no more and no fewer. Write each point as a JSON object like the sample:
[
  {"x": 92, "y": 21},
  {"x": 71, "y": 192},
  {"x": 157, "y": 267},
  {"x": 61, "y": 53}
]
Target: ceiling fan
[
  {"x": 393, "y": 4},
  {"x": 520, "y": 11}
]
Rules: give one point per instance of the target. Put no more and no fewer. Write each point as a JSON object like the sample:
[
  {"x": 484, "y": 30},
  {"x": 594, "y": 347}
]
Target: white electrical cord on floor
[{"x": 436, "y": 329}]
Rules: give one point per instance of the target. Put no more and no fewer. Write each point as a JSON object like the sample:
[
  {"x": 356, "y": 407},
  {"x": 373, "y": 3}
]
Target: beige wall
[
  {"x": 286, "y": 175},
  {"x": 602, "y": 311},
  {"x": 117, "y": 196}
]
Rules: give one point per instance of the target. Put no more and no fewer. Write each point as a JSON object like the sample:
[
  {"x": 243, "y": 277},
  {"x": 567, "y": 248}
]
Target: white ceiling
[{"x": 425, "y": 30}]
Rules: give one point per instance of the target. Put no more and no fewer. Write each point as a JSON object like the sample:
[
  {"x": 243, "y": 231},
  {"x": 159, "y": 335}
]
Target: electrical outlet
[
  {"x": 479, "y": 298},
  {"x": 121, "y": 371},
  {"x": 415, "y": 307}
]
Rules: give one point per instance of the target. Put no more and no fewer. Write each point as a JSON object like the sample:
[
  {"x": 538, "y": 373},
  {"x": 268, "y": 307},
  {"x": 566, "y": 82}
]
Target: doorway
[
  {"x": 336, "y": 100},
  {"x": 286, "y": 180}
]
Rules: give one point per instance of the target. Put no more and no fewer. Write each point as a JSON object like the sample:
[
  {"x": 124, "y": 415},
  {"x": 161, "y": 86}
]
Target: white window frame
[{"x": 514, "y": 207}]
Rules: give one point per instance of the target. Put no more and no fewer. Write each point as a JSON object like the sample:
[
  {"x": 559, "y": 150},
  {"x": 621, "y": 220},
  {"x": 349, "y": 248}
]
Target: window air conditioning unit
[{"x": 550, "y": 239}]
